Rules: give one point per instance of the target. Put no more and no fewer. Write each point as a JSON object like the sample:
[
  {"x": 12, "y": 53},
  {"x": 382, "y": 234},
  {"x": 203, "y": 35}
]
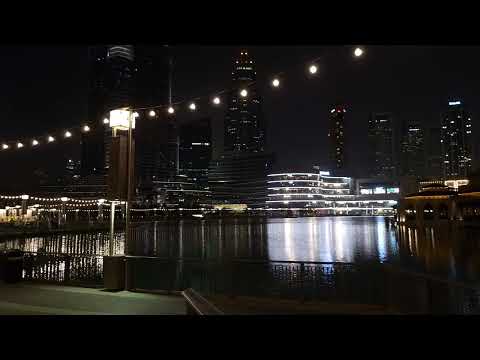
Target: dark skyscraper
[
  {"x": 434, "y": 159},
  {"x": 381, "y": 138},
  {"x": 120, "y": 76},
  {"x": 456, "y": 140},
  {"x": 111, "y": 71},
  {"x": 244, "y": 121},
  {"x": 151, "y": 133},
  {"x": 412, "y": 161},
  {"x": 196, "y": 150},
  {"x": 336, "y": 135}
]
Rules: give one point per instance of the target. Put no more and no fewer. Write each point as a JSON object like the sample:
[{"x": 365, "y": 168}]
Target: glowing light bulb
[
  {"x": 313, "y": 69},
  {"x": 171, "y": 110},
  {"x": 358, "y": 52},
  {"x": 152, "y": 113},
  {"x": 86, "y": 128},
  {"x": 19, "y": 145},
  {"x": 68, "y": 134},
  {"x": 34, "y": 142},
  {"x": 244, "y": 93},
  {"x": 276, "y": 83},
  {"x": 216, "y": 100},
  {"x": 5, "y": 146},
  {"x": 51, "y": 139},
  {"x": 192, "y": 106},
  {"x": 106, "y": 121}
]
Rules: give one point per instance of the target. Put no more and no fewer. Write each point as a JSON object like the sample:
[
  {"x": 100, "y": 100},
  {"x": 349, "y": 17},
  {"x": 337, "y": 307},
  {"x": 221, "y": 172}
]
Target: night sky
[{"x": 44, "y": 88}]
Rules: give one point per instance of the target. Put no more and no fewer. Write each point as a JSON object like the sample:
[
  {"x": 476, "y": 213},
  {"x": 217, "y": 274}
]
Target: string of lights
[
  {"x": 215, "y": 99},
  {"x": 67, "y": 201}
]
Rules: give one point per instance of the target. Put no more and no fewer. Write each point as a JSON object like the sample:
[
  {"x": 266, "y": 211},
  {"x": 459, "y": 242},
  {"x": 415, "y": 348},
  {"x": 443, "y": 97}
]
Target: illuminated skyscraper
[
  {"x": 239, "y": 174},
  {"x": 336, "y": 135},
  {"x": 244, "y": 121},
  {"x": 456, "y": 140}
]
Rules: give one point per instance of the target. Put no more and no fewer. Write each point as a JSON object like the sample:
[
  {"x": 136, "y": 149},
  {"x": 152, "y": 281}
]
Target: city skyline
[{"x": 310, "y": 147}]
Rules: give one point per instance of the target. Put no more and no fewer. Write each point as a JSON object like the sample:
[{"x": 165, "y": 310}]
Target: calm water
[{"x": 441, "y": 251}]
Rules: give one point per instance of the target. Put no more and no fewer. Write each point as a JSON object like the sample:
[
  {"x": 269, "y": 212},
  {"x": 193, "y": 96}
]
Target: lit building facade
[
  {"x": 456, "y": 141},
  {"x": 244, "y": 121},
  {"x": 328, "y": 195},
  {"x": 381, "y": 138},
  {"x": 180, "y": 192},
  {"x": 336, "y": 135}
]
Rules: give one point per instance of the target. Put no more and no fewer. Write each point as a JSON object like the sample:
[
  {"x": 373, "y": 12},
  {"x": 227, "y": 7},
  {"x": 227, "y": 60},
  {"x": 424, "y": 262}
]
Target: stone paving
[{"x": 33, "y": 299}]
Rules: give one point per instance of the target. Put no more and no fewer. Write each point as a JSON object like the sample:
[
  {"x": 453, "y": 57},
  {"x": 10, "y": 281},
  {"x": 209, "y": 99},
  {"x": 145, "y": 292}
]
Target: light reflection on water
[
  {"x": 329, "y": 239},
  {"x": 442, "y": 251}
]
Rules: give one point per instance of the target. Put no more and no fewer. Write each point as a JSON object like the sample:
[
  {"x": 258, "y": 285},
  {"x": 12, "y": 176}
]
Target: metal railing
[
  {"x": 373, "y": 284},
  {"x": 62, "y": 268}
]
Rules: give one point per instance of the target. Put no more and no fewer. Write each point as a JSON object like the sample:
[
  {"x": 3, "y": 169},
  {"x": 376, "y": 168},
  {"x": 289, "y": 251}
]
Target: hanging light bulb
[
  {"x": 216, "y": 100},
  {"x": 51, "y": 139},
  {"x": 313, "y": 69},
  {"x": 19, "y": 145},
  {"x": 171, "y": 110},
  {"x": 152, "y": 113},
  {"x": 192, "y": 106},
  {"x": 5, "y": 146},
  {"x": 244, "y": 93},
  {"x": 276, "y": 82},
  {"x": 68, "y": 134},
  {"x": 34, "y": 142},
  {"x": 86, "y": 128},
  {"x": 106, "y": 121}
]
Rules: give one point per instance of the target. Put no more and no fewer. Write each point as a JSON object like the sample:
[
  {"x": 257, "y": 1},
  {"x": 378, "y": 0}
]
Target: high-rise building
[
  {"x": 239, "y": 174},
  {"x": 240, "y": 178},
  {"x": 127, "y": 75},
  {"x": 412, "y": 161},
  {"x": 434, "y": 159},
  {"x": 195, "y": 151},
  {"x": 456, "y": 140},
  {"x": 336, "y": 135},
  {"x": 244, "y": 121},
  {"x": 111, "y": 71},
  {"x": 151, "y": 133},
  {"x": 381, "y": 137}
]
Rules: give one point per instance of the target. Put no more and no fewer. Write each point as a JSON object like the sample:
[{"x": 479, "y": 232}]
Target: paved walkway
[{"x": 32, "y": 299}]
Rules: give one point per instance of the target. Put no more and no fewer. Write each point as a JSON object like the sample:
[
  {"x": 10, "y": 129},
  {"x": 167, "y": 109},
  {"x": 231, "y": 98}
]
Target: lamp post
[{"x": 124, "y": 119}]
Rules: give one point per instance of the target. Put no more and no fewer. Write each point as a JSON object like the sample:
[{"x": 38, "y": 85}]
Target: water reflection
[{"x": 446, "y": 251}]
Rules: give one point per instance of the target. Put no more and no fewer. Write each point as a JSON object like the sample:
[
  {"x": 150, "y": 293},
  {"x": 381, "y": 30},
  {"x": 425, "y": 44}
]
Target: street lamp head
[
  {"x": 86, "y": 128},
  {"x": 358, "y": 52},
  {"x": 244, "y": 93},
  {"x": 313, "y": 69},
  {"x": 68, "y": 134},
  {"x": 276, "y": 82},
  {"x": 151, "y": 113},
  {"x": 19, "y": 145},
  {"x": 51, "y": 139},
  {"x": 171, "y": 110},
  {"x": 192, "y": 106},
  {"x": 216, "y": 100},
  {"x": 34, "y": 142}
]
